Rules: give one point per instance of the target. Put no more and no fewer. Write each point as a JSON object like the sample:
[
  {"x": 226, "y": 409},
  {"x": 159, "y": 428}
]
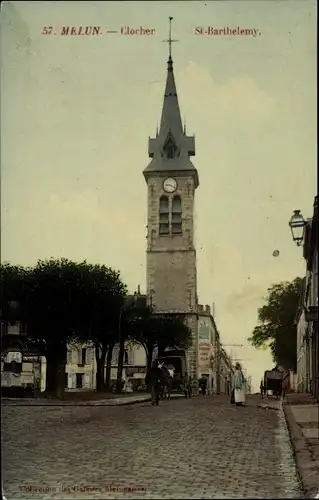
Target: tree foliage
[
  {"x": 62, "y": 301},
  {"x": 13, "y": 291},
  {"x": 159, "y": 331},
  {"x": 277, "y": 329}
]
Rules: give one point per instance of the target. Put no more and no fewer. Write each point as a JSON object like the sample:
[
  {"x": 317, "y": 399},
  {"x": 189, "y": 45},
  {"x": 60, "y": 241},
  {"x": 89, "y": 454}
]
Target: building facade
[
  {"x": 307, "y": 316},
  {"x": 213, "y": 361},
  {"x": 303, "y": 353},
  {"x": 206, "y": 347},
  {"x": 172, "y": 181},
  {"x": 134, "y": 366},
  {"x": 226, "y": 372}
]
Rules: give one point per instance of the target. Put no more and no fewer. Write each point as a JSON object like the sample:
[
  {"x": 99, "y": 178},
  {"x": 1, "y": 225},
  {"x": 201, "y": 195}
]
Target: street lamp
[{"x": 297, "y": 225}]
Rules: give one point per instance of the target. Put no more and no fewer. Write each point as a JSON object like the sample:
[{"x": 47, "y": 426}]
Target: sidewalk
[
  {"x": 117, "y": 401},
  {"x": 302, "y": 417}
]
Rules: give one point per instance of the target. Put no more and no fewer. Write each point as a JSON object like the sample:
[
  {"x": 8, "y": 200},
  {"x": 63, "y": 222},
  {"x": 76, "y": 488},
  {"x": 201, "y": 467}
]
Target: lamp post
[{"x": 297, "y": 225}]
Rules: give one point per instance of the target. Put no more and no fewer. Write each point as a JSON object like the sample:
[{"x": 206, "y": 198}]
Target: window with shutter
[
  {"x": 164, "y": 215},
  {"x": 176, "y": 215}
]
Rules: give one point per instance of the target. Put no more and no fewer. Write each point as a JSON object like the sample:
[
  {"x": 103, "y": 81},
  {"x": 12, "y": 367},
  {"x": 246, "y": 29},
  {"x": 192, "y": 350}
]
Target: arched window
[
  {"x": 164, "y": 215},
  {"x": 176, "y": 215}
]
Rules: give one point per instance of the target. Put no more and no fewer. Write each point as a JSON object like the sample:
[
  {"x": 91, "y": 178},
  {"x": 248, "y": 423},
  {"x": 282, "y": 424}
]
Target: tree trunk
[
  {"x": 120, "y": 366},
  {"x": 108, "y": 367},
  {"x": 55, "y": 374},
  {"x": 60, "y": 377},
  {"x": 99, "y": 375},
  {"x": 50, "y": 375},
  {"x": 100, "y": 364}
]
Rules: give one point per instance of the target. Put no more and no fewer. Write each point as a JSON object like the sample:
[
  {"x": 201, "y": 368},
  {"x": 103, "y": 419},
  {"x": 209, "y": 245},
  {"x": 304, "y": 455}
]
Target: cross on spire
[{"x": 170, "y": 40}]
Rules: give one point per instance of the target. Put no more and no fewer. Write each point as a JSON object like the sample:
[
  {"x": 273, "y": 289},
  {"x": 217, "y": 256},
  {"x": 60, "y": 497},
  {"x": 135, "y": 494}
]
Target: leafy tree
[
  {"x": 277, "y": 329},
  {"x": 158, "y": 331},
  {"x": 65, "y": 302},
  {"x": 106, "y": 296}
]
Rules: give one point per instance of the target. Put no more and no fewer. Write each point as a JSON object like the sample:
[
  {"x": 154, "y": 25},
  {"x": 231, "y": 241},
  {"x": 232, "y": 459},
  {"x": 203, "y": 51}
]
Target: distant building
[
  {"x": 134, "y": 366},
  {"x": 80, "y": 369},
  {"x": 226, "y": 372},
  {"x": 213, "y": 360},
  {"x": 206, "y": 347},
  {"x": 27, "y": 368},
  {"x": 19, "y": 367},
  {"x": 303, "y": 348}
]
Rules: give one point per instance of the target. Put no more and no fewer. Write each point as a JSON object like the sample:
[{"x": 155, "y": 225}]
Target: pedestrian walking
[
  {"x": 195, "y": 386},
  {"x": 184, "y": 386},
  {"x": 262, "y": 389},
  {"x": 239, "y": 385},
  {"x": 189, "y": 387},
  {"x": 155, "y": 383},
  {"x": 203, "y": 385}
]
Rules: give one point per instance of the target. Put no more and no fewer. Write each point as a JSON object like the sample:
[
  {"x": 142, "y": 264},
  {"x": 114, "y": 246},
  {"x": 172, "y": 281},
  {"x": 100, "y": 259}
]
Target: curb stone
[
  {"x": 102, "y": 402},
  {"x": 307, "y": 469}
]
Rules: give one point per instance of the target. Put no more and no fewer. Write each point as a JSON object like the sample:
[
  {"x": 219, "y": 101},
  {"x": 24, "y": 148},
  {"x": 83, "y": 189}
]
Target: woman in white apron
[{"x": 239, "y": 386}]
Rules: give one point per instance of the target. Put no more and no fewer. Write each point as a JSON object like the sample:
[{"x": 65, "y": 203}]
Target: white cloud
[{"x": 240, "y": 95}]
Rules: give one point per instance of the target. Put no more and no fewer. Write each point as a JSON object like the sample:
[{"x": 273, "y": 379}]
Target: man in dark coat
[
  {"x": 203, "y": 385},
  {"x": 155, "y": 383}
]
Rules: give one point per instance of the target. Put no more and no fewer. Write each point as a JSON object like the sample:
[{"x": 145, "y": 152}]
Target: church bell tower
[{"x": 171, "y": 182}]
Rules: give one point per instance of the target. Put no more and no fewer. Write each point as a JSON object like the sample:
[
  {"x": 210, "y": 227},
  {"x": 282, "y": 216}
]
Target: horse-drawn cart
[
  {"x": 273, "y": 382},
  {"x": 176, "y": 358}
]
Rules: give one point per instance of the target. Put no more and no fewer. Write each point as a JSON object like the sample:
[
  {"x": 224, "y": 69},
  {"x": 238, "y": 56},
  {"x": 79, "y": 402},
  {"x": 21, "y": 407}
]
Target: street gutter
[{"x": 307, "y": 469}]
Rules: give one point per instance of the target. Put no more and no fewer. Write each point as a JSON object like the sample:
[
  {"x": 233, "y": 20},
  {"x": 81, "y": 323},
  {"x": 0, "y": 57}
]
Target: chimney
[
  {"x": 200, "y": 308},
  {"x": 139, "y": 290},
  {"x": 207, "y": 308}
]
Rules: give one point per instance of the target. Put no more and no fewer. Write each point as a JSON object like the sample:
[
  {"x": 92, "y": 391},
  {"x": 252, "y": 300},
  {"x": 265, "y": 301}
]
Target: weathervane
[{"x": 170, "y": 40}]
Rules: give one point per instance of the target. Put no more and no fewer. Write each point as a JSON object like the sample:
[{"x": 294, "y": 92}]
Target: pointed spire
[
  {"x": 171, "y": 116},
  {"x": 171, "y": 149}
]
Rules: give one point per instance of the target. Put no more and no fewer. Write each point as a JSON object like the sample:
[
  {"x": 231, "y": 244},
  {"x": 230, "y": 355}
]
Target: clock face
[{"x": 170, "y": 185}]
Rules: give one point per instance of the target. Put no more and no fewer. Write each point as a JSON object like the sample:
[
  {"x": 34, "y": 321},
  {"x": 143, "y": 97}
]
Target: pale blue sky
[{"x": 77, "y": 113}]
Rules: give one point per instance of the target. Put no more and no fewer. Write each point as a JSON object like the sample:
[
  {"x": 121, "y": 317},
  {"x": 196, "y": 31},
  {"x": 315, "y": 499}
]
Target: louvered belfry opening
[
  {"x": 170, "y": 149},
  {"x": 176, "y": 215},
  {"x": 164, "y": 215}
]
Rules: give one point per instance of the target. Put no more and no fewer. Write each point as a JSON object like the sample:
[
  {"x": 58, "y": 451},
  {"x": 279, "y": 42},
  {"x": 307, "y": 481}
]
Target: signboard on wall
[
  {"x": 204, "y": 328},
  {"x": 204, "y": 354}
]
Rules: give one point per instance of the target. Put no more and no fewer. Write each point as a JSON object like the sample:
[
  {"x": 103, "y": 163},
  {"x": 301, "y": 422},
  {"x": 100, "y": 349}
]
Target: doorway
[{"x": 79, "y": 380}]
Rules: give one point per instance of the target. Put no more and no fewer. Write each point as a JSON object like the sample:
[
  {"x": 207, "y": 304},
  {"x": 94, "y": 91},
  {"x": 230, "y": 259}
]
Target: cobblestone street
[{"x": 198, "y": 448}]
